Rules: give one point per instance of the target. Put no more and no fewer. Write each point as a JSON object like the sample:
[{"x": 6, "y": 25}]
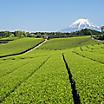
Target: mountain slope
[{"x": 81, "y": 24}]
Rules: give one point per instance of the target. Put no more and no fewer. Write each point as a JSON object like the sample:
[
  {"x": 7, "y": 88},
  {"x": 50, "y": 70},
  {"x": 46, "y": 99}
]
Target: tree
[
  {"x": 20, "y": 33},
  {"x": 5, "y": 33}
]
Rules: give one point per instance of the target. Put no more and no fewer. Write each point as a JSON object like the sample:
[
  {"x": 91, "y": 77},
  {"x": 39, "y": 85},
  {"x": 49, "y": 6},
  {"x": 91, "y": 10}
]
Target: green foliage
[
  {"x": 17, "y": 76},
  {"x": 92, "y": 52},
  {"x": 9, "y": 39},
  {"x": 18, "y": 45},
  {"x": 48, "y": 85},
  {"x": 5, "y": 34},
  {"x": 88, "y": 75},
  {"x": 99, "y": 37},
  {"x": 66, "y": 43},
  {"x": 41, "y": 77},
  {"x": 20, "y": 34}
]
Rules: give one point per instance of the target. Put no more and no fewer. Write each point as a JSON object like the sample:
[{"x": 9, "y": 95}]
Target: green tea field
[{"x": 60, "y": 71}]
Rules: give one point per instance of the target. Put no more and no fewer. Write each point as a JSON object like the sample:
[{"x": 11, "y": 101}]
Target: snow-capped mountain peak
[{"x": 81, "y": 24}]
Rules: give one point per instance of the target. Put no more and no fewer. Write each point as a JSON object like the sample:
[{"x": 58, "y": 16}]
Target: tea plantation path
[
  {"x": 37, "y": 46},
  {"x": 26, "y": 51}
]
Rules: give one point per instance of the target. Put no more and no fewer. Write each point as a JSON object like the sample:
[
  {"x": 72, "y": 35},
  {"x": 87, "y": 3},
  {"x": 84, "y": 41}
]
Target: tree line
[{"x": 20, "y": 34}]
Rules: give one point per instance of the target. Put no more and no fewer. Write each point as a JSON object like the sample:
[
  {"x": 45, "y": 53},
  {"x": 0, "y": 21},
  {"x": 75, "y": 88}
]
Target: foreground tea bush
[
  {"x": 49, "y": 85},
  {"x": 89, "y": 76},
  {"x": 94, "y": 53},
  {"x": 13, "y": 80}
]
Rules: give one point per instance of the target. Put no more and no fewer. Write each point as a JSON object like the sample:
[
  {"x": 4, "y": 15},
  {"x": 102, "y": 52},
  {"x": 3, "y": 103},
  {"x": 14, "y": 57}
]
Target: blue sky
[{"x": 48, "y": 15}]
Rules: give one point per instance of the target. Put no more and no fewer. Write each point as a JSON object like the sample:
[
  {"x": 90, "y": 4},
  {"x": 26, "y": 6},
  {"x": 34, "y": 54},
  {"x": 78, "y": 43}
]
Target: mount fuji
[{"x": 79, "y": 25}]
